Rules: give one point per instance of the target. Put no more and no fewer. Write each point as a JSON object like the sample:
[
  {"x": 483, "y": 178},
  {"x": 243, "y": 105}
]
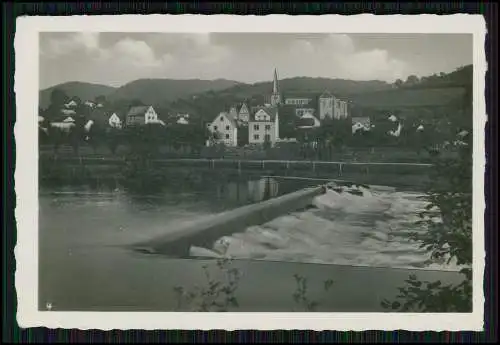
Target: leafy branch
[{"x": 300, "y": 297}]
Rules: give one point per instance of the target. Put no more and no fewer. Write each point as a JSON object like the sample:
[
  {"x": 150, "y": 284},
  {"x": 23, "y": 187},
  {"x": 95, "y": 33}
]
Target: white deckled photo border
[{"x": 26, "y": 174}]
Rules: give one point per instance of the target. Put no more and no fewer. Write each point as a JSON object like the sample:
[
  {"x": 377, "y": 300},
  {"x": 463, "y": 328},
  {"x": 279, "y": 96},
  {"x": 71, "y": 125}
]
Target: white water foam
[{"x": 369, "y": 228}]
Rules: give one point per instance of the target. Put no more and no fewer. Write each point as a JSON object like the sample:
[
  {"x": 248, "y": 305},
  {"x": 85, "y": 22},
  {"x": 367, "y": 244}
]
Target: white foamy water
[{"x": 367, "y": 229}]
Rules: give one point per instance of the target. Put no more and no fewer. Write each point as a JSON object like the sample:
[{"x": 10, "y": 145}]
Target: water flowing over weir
[
  {"x": 356, "y": 227},
  {"x": 341, "y": 226}
]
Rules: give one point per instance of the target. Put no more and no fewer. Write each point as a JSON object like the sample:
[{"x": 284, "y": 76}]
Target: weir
[{"x": 206, "y": 231}]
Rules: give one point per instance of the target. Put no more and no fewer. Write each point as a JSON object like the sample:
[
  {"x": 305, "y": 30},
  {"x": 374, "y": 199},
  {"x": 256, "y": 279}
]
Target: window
[
  {"x": 227, "y": 128},
  {"x": 221, "y": 119},
  {"x": 215, "y": 128},
  {"x": 268, "y": 127},
  {"x": 256, "y": 128},
  {"x": 256, "y": 136},
  {"x": 227, "y": 136},
  {"x": 267, "y": 138}
]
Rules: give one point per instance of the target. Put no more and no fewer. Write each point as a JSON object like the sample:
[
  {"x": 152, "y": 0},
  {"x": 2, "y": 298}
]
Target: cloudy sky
[{"x": 117, "y": 58}]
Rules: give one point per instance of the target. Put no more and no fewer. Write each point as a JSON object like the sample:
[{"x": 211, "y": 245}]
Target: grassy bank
[{"x": 284, "y": 152}]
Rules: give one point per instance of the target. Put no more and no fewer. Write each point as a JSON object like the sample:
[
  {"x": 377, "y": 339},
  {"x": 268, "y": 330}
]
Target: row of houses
[{"x": 262, "y": 123}]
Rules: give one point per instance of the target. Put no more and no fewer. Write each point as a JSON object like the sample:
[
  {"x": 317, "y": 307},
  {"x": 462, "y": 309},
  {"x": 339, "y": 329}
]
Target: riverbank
[
  {"x": 402, "y": 175},
  {"x": 286, "y": 152}
]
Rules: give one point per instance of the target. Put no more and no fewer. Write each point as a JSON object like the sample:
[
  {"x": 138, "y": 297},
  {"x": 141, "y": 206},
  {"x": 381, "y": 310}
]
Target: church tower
[{"x": 275, "y": 97}]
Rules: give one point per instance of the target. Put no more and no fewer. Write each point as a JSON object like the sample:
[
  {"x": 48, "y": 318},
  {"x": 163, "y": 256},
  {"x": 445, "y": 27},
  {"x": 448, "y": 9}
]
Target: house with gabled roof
[
  {"x": 264, "y": 125},
  {"x": 68, "y": 112},
  {"x": 332, "y": 107},
  {"x": 308, "y": 120},
  {"x": 71, "y": 104},
  {"x": 141, "y": 115},
  {"x": 225, "y": 129},
  {"x": 244, "y": 113}
]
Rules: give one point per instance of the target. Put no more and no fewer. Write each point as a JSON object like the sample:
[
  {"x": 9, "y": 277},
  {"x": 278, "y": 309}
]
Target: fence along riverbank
[{"x": 396, "y": 174}]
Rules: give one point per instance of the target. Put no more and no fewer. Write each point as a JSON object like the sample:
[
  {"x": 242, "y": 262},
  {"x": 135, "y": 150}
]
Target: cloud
[
  {"x": 118, "y": 58},
  {"x": 131, "y": 53},
  {"x": 62, "y": 44},
  {"x": 336, "y": 56}
]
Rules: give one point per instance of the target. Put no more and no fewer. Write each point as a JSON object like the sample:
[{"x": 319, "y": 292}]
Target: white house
[
  {"x": 308, "y": 120},
  {"x": 264, "y": 126},
  {"x": 68, "y": 119},
  {"x": 89, "y": 104},
  {"x": 68, "y": 111},
  {"x": 70, "y": 104},
  {"x": 244, "y": 114},
  {"x": 233, "y": 112},
  {"x": 141, "y": 115},
  {"x": 225, "y": 128},
  {"x": 340, "y": 109},
  {"x": 397, "y": 132},
  {"x": 182, "y": 121},
  {"x": 63, "y": 126},
  {"x": 332, "y": 107},
  {"x": 360, "y": 123},
  {"x": 301, "y": 111},
  {"x": 326, "y": 105},
  {"x": 115, "y": 121},
  {"x": 392, "y": 118},
  {"x": 88, "y": 125}
]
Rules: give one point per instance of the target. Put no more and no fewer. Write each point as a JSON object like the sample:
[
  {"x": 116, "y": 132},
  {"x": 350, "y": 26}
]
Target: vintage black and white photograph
[{"x": 253, "y": 171}]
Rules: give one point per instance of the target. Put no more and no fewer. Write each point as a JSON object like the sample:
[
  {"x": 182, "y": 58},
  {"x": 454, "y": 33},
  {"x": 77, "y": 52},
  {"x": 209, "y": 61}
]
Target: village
[{"x": 241, "y": 125}]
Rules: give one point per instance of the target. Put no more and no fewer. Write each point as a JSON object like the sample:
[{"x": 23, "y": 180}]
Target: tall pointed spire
[{"x": 275, "y": 84}]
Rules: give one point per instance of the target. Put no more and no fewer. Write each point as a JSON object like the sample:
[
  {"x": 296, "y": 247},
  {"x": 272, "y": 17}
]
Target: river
[{"x": 83, "y": 231}]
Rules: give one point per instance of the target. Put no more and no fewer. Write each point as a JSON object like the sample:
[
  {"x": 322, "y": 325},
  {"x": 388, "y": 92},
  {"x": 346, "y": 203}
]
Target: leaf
[{"x": 395, "y": 305}]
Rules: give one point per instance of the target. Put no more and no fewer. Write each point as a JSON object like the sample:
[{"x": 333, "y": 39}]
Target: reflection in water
[{"x": 248, "y": 192}]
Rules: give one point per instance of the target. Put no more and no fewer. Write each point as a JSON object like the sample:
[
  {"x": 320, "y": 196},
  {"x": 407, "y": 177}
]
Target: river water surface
[{"x": 82, "y": 230}]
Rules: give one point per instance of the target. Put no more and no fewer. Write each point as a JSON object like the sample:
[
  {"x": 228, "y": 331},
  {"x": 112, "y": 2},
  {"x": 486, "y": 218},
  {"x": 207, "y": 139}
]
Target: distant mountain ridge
[
  {"x": 160, "y": 92},
  {"x": 340, "y": 87},
  {"x": 82, "y": 90}
]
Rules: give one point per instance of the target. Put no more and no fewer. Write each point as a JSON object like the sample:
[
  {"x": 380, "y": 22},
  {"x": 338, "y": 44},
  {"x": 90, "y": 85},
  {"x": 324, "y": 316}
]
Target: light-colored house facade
[
  {"x": 141, "y": 115},
  {"x": 326, "y": 106},
  {"x": 360, "y": 124},
  {"x": 264, "y": 126},
  {"x": 332, "y": 107},
  {"x": 297, "y": 101},
  {"x": 71, "y": 104},
  {"x": 340, "y": 109},
  {"x": 115, "y": 121},
  {"x": 244, "y": 114},
  {"x": 225, "y": 128},
  {"x": 308, "y": 120}
]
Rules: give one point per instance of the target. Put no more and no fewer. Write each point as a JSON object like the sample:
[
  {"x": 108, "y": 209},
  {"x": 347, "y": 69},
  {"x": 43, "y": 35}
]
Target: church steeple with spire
[{"x": 275, "y": 97}]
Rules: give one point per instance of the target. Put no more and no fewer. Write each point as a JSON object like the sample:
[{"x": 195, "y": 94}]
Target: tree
[
  {"x": 448, "y": 218},
  {"x": 58, "y": 98},
  {"x": 113, "y": 139},
  {"x": 398, "y": 83},
  {"x": 412, "y": 80},
  {"x": 100, "y": 99},
  {"x": 76, "y": 134}
]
